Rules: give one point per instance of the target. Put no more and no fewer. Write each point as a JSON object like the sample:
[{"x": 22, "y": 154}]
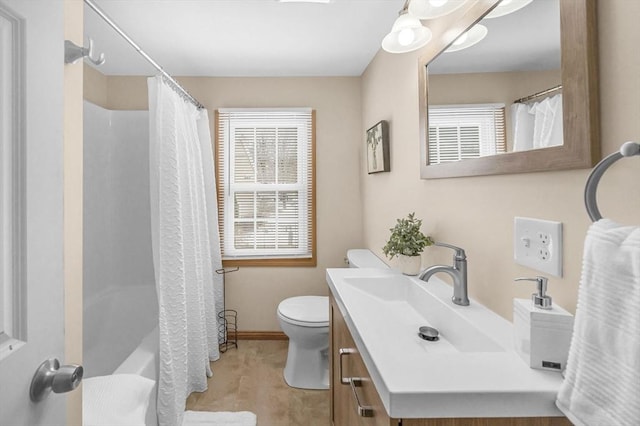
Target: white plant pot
[{"x": 409, "y": 265}]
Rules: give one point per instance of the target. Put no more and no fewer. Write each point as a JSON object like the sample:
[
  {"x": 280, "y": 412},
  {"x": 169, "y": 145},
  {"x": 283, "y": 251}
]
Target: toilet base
[{"x": 307, "y": 369}]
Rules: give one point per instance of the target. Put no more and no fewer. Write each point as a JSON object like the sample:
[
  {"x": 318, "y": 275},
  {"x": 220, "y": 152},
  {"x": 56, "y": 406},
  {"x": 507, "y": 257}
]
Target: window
[
  {"x": 457, "y": 132},
  {"x": 266, "y": 194}
]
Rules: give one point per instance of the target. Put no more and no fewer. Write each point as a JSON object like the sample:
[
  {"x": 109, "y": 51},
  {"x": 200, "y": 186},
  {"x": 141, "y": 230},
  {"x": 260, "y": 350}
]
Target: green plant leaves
[{"x": 406, "y": 238}]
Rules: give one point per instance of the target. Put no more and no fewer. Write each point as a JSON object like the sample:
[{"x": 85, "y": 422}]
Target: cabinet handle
[
  {"x": 342, "y": 352},
  {"x": 363, "y": 410}
]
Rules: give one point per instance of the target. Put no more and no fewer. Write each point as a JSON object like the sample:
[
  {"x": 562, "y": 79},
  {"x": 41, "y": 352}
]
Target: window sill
[{"x": 293, "y": 262}]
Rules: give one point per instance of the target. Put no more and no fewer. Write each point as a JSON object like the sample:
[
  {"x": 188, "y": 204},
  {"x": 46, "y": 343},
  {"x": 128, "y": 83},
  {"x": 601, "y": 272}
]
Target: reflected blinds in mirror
[{"x": 458, "y": 132}]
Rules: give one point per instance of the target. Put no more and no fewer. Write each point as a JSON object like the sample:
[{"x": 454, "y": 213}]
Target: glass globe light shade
[
  {"x": 407, "y": 34},
  {"x": 473, "y": 35},
  {"x": 506, "y": 7},
  {"x": 429, "y": 9}
]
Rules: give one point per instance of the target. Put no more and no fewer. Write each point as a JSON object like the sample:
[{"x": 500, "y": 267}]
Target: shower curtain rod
[
  {"x": 537, "y": 95},
  {"x": 176, "y": 86}
]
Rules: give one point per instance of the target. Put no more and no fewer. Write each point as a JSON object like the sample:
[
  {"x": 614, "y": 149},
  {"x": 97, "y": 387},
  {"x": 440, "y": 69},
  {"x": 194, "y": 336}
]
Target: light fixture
[
  {"x": 468, "y": 38},
  {"x": 507, "y": 6},
  {"x": 429, "y": 9},
  {"x": 407, "y": 34}
]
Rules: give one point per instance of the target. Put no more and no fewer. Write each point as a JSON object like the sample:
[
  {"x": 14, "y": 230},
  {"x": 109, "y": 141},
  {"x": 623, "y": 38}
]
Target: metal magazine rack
[{"x": 227, "y": 318}]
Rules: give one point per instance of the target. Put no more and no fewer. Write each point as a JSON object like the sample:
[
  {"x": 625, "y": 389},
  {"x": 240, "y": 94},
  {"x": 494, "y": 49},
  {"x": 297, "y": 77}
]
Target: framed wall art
[{"x": 378, "y": 148}]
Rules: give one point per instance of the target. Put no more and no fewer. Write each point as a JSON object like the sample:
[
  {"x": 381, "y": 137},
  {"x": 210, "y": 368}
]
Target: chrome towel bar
[{"x": 628, "y": 149}]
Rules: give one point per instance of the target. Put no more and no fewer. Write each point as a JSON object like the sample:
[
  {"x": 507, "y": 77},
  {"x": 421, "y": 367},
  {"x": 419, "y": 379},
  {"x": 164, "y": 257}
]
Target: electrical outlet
[
  {"x": 543, "y": 254},
  {"x": 538, "y": 244},
  {"x": 543, "y": 238}
]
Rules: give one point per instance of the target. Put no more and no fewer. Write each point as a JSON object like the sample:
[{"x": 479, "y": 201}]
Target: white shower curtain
[
  {"x": 537, "y": 125},
  {"x": 186, "y": 247},
  {"x": 547, "y": 127},
  {"x": 522, "y": 120}
]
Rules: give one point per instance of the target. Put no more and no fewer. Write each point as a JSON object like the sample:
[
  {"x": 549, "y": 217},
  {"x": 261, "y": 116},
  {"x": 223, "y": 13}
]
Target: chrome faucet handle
[{"x": 460, "y": 254}]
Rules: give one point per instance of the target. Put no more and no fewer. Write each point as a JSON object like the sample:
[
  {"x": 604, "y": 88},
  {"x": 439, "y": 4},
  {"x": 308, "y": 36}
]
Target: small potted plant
[{"x": 407, "y": 242}]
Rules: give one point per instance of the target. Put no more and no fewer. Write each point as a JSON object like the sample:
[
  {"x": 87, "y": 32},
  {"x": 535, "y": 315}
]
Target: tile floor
[{"x": 250, "y": 379}]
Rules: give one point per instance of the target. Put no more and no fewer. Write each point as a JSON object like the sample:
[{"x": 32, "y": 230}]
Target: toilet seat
[{"x": 305, "y": 311}]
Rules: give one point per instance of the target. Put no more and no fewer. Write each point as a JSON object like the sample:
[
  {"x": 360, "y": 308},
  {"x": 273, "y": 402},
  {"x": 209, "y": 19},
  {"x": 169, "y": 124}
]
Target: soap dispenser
[{"x": 542, "y": 330}]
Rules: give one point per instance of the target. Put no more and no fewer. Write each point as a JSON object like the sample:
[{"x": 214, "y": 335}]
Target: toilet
[
  {"x": 364, "y": 258},
  {"x": 305, "y": 320}
]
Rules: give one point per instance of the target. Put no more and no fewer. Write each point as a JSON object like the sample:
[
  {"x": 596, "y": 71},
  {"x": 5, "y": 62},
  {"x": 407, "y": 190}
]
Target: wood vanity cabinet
[
  {"x": 345, "y": 397},
  {"x": 344, "y": 408}
]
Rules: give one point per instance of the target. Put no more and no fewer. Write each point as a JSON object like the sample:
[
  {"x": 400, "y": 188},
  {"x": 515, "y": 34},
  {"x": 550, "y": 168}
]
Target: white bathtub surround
[
  {"x": 186, "y": 249},
  {"x": 116, "y": 400},
  {"x": 119, "y": 292},
  {"x": 118, "y": 279},
  {"x": 602, "y": 379},
  {"x": 221, "y": 418}
]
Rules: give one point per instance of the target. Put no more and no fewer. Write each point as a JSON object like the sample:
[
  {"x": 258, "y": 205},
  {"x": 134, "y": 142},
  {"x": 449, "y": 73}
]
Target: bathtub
[
  {"x": 144, "y": 362},
  {"x": 116, "y": 321},
  {"x": 121, "y": 335}
]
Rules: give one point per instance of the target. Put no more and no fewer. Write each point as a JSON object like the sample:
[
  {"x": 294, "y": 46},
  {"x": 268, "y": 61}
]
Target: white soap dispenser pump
[{"x": 542, "y": 330}]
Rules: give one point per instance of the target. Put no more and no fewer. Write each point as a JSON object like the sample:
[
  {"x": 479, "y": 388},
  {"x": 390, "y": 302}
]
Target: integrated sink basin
[
  {"x": 471, "y": 370},
  {"x": 402, "y": 306}
]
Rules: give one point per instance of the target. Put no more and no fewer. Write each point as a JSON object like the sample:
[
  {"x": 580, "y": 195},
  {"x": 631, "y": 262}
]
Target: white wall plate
[{"x": 538, "y": 244}]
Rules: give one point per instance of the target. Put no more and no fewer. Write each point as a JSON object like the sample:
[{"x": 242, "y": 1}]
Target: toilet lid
[{"x": 306, "y": 309}]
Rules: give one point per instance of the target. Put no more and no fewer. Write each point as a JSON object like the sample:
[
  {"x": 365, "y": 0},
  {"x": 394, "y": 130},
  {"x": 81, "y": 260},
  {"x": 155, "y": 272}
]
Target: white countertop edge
[
  {"x": 450, "y": 404},
  {"x": 471, "y": 405}
]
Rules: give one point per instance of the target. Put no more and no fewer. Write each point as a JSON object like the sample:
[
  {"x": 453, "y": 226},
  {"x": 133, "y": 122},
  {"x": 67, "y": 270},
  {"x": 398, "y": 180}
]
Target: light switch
[{"x": 538, "y": 244}]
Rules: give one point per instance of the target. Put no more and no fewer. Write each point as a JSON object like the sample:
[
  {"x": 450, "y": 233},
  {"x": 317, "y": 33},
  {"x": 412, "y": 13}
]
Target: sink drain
[{"x": 428, "y": 333}]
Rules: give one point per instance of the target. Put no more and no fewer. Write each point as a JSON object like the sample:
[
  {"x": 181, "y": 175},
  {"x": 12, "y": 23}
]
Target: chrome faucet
[{"x": 458, "y": 272}]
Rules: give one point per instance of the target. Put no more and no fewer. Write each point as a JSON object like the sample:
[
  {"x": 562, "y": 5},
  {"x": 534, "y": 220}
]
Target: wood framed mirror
[{"x": 579, "y": 79}]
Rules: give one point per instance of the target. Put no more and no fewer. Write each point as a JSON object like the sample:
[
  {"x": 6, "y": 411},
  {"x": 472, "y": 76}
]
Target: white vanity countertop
[{"x": 475, "y": 376}]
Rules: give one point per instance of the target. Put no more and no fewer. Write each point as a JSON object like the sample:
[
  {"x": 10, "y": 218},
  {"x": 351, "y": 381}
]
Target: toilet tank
[{"x": 364, "y": 258}]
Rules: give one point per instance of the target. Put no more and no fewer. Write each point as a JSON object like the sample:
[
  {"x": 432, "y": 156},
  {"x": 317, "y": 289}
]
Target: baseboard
[{"x": 262, "y": 335}]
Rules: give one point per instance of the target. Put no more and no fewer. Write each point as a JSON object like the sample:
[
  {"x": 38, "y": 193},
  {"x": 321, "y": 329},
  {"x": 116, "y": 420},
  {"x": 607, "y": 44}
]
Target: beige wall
[
  {"x": 73, "y": 77},
  {"x": 256, "y": 292},
  {"x": 95, "y": 84},
  {"x": 477, "y": 213},
  {"x": 489, "y": 87}
]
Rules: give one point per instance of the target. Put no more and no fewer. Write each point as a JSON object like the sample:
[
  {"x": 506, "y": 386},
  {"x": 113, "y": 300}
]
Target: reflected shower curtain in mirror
[
  {"x": 186, "y": 247},
  {"x": 538, "y": 124}
]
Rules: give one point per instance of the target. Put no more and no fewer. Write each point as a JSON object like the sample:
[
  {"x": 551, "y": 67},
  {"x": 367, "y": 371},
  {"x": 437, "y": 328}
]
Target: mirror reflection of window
[{"x": 458, "y": 132}]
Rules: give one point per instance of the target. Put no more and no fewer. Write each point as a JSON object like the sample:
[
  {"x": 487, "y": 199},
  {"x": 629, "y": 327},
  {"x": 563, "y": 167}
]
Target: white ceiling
[
  {"x": 242, "y": 37},
  {"x": 525, "y": 40},
  {"x": 256, "y": 38}
]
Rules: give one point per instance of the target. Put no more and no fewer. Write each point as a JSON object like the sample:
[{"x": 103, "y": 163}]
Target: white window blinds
[
  {"x": 266, "y": 178},
  {"x": 457, "y": 132}
]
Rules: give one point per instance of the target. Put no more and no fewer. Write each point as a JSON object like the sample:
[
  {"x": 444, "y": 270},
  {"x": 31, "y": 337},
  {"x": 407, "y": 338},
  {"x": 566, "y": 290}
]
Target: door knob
[{"x": 50, "y": 376}]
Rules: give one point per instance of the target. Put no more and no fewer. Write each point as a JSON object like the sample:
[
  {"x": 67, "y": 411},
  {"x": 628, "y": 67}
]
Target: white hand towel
[{"x": 602, "y": 379}]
